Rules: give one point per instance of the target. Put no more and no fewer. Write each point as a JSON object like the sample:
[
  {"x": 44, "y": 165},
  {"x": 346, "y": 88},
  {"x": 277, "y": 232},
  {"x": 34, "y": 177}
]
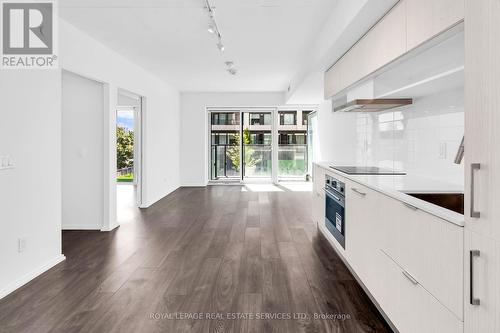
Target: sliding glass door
[
  {"x": 225, "y": 152},
  {"x": 292, "y": 144},
  {"x": 257, "y": 144}
]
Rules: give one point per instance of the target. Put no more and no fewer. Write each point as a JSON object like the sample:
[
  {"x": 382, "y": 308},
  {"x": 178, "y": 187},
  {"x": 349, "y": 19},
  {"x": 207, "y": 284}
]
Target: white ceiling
[{"x": 268, "y": 40}]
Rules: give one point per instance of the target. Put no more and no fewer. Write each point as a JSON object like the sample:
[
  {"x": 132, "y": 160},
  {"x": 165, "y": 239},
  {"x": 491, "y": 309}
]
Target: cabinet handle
[
  {"x": 410, "y": 206},
  {"x": 358, "y": 191},
  {"x": 473, "y": 212},
  {"x": 472, "y": 254},
  {"x": 409, "y": 277}
]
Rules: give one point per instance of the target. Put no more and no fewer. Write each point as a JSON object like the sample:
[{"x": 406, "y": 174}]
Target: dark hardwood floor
[{"x": 249, "y": 259}]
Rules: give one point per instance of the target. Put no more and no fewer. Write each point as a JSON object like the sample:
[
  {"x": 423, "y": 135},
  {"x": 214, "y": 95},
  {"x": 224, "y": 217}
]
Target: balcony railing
[
  {"x": 292, "y": 161},
  {"x": 258, "y": 161},
  {"x": 125, "y": 175}
]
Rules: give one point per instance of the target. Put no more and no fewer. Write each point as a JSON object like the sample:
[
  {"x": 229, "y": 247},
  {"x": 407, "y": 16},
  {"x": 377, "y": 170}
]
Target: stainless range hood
[{"x": 372, "y": 105}]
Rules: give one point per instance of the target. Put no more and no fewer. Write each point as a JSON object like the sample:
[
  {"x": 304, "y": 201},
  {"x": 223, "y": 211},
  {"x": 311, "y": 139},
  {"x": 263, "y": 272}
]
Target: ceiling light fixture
[
  {"x": 221, "y": 46},
  {"x": 230, "y": 68},
  {"x": 211, "y": 29}
]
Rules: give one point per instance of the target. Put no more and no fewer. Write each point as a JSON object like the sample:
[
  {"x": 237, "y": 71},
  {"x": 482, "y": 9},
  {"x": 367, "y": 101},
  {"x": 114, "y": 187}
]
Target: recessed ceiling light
[
  {"x": 220, "y": 46},
  {"x": 211, "y": 29}
]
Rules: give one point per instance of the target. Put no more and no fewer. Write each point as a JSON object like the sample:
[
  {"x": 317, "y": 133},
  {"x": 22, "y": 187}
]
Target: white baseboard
[
  {"x": 81, "y": 227},
  {"x": 158, "y": 198},
  {"x": 13, "y": 286},
  {"x": 110, "y": 228}
]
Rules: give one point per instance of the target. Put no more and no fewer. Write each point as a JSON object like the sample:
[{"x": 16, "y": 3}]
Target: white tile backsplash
[{"x": 421, "y": 139}]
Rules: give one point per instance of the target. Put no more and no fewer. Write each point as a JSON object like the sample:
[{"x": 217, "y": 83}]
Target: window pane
[
  {"x": 289, "y": 119},
  {"x": 267, "y": 138},
  {"x": 304, "y": 117},
  {"x": 267, "y": 119}
]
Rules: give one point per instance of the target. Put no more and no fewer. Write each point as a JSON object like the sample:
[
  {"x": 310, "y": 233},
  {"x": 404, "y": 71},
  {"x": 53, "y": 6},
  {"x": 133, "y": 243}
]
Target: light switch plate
[
  {"x": 442, "y": 150},
  {"x": 6, "y": 162},
  {"x": 21, "y": 245}
]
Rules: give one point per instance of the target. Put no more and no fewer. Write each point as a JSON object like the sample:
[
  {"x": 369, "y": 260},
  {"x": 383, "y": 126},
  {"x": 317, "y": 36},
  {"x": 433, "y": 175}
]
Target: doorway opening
[{"x": 128, "y": 154}]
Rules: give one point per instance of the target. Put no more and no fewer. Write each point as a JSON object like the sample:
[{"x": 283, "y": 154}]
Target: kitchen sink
[{"x": 451, "y": 201}]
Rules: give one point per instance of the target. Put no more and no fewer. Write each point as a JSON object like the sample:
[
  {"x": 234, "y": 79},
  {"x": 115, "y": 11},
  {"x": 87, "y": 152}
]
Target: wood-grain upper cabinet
[
  {"x": 385, "y": 42},
  {"x": 482, "y": 162},
  {"x": 482, "y": 117},
  {"x": 428, "y": 18},
  {"x": 333, "y": 80},
  {"x": 387, "y": 39}
]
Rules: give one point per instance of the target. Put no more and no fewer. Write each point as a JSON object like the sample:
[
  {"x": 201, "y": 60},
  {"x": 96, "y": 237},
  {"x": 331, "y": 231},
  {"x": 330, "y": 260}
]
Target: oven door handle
[{"x": 331, "y": 194}]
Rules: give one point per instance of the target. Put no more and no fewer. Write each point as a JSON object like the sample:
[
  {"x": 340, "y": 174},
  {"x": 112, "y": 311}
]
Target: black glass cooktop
[{"x": 360, "y": 170}]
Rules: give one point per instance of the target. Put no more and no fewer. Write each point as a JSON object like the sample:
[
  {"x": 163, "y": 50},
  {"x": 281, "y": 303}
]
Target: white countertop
[{"x": 395, "y": 187}]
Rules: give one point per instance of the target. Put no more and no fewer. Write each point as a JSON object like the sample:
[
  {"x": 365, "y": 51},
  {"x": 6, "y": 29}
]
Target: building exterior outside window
[
  {"x": 288, "y": 117},
  {"x": 304, "y": 117}
]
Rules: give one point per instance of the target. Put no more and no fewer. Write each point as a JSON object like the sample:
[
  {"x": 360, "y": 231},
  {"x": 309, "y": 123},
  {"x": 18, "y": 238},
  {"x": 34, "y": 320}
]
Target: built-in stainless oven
[{"x": 335, "y": 208}]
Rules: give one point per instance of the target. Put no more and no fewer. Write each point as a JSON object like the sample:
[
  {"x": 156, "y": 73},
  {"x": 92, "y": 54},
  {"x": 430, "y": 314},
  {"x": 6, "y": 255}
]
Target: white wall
[
  {"x": 194, "y": 167},
  {"x": 84, "y": 55},
  {"x": 30, "y": 194},
  {"x": 82, "y": 153},
  {"x": 336, "y": 135},
  {"x": 30, "y": 132}
]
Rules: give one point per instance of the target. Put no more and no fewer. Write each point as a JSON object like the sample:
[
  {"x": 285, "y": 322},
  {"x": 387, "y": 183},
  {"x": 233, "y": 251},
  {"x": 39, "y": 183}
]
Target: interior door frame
[
  {"x": 310, "y": 138},
  {"x": 138, "y": 145}
]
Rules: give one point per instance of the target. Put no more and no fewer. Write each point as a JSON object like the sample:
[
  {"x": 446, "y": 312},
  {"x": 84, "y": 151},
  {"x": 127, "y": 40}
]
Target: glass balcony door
[
  {"x": 256, "y": 144},
  {"x": 256, "y": 133},
  {"x": 225, "y": 145},
  {"x": 293, "y": 154}
]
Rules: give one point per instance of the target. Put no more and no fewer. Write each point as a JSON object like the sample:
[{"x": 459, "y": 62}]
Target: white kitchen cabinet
[
  {"x": 318, "y": 209},
  {"x": 385, "y": 42},
  {"x": 387, "y": 39},
  {"x": 482, "y": 116},
  {"x": 482, "y": 185},
  {"x": 387, "y": 290},
  {"x": 410, "y": 261},
  {"x": 430, "y": 249},
  {"x": 410, "y": 306},
  {"x": 333, "y": 79},
  {"x": 428, "y": 18},
  {"x": 485, "y": 316},
  {"x": 362, "y": 218}
]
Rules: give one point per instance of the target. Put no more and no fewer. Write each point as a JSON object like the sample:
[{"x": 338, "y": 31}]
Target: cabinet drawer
[
  {"x": 411, "y": 308},
  {"x": 429, "y": 248},
  {"x": 362, "y": 230}
]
